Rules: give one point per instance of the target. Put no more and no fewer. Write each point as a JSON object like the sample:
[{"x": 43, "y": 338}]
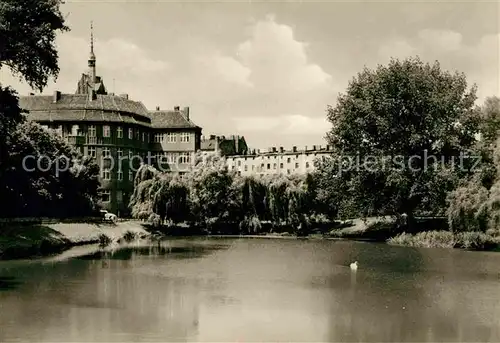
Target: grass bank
[
  {"x": 27, "y": 240},
  {"x": 447, "y": 239}
]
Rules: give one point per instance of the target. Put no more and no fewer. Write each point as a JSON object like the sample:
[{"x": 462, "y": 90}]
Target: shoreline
[{"x": 29, "y": 241}]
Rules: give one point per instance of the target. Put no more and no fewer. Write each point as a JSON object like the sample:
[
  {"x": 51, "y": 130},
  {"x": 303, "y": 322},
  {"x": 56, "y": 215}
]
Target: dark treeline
[{"x": 27, "y": 47}]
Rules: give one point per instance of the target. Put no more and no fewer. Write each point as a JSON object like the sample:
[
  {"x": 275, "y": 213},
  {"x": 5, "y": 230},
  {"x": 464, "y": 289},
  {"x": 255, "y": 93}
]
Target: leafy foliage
[
  {"x": 45, "y": 177},
  {"x": 211, "y": 194},
  {"x": 27, "y": 39},
  {"x": 406, "y": 123}
]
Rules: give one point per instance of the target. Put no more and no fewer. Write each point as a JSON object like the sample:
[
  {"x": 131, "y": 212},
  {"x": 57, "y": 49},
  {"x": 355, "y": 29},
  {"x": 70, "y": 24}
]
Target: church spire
[{"x": 92, "y": 60}]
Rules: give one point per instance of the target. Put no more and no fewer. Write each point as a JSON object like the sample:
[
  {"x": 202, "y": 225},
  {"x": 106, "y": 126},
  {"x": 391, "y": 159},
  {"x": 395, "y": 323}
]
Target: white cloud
[
  {"x": 114, "y": 57},
  {"x": 230, "y": 69},
  {"x": 445, "y": 40},
  {"x": 396, "y": 48},
  {"x": 479, "y": 61},
  {"x": 294, "y": 124}
]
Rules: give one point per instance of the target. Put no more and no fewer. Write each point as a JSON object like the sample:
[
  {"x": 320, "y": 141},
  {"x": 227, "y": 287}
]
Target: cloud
[
  {"x": 478, "y": 60},
  {"x": 293, "y": 124},
  {"x": 445, "y": 40},
  {"x": 114, "y": 57}
]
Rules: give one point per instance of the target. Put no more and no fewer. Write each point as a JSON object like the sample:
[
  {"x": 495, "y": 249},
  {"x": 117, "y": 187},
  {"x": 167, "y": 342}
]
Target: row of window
[
  {"x": 274, "y": 166},
  {"x": 106, "y": 175},
  {"x": 168, "y": 157},
  {"x": 173, "y": 157},
  {"x": 170, "y": 137}
]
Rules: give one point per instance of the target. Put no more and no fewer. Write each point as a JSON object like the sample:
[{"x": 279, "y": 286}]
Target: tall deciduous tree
[
  {"x": 399, "y": 132},
  {"x": 27, "y": 39}
]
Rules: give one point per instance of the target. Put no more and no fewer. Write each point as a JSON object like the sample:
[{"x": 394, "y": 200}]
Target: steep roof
[
  {"x": 171, "y": 119},
  {"x": 207, "y": 144},
  {"x": 80, "y": 107}
]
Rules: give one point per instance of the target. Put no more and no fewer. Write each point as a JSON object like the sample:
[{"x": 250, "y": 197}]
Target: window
[
  {"x": 74, "y": 130},
  {"x": 92, "y": 131},
  {"x": 274, "y": 165},
  {"x": 158, "y": 138},
  {"x": 130, "y": 133},
  {"x": 296, "y": 165},
  {"x": 172, "y": 157},
  {"x": 185, "y": 137},
  {"x": 130, "y": 154},
  {"x": 119, "y": 132},
  {"x": 253, "y": 167},
  {"x": 106, "y": 152},
  {"x": 120, "y": 175},
  {"x": 144, "y": 136},
  {"x": 119, "y": 196},
  {"x": 269, "y": 166},
  {"x": 185, "y": 157},
  {"x": 130, "y": 175},
  {"x": 147, "y": 137},
  {"x": 92, "y": 151},
  {"x": 106, "y": 174},
  {"x": 288, "y": 160},
  {"x": 246, "y": 168},
  {"x": 137, "y": 135},
  {"x": 171, "y": 137},
  {"x": 307, "y": 164},
  {"x": 105, "y": 196},
  {"x": 106, "y": 131},
  {"x": 281, "y": 165},
  {"x": 288, "y": 171},
  {"x": 119, "y": 152},
  {"x": 239, "y": 163}
]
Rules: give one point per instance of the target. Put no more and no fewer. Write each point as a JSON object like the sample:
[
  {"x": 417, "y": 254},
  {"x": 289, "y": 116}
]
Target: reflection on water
[{"x": 253, "y": 290}]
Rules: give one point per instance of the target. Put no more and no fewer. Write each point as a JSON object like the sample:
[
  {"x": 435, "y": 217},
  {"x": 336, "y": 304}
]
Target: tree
[
  {"x": 46, "y": 177},
  {"x": 490, "y": 124},
  {"x": 27, "y": 39},
  {"x": 397, "y": 130}
]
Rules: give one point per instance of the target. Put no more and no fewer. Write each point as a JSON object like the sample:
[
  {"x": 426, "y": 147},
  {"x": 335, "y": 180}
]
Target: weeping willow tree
[{"x": 210, "y": 194}]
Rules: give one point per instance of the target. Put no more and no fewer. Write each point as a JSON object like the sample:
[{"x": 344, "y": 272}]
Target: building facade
[
  {"x": 118, "y": 132},
  {"x": 278, "y": 161},
  {"x": 224, "y": 145}
]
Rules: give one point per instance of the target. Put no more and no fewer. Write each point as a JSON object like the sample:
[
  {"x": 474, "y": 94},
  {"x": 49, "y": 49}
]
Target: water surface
[{"x": 253, "y": 290}]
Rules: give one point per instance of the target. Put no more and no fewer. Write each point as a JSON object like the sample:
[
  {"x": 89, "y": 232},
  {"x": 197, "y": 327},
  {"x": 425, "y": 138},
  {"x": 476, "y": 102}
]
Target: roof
[
  {"x": 79, "y": 107},
  {"x": 207, "y": 144},
  {"x": 171, "y": 119}
]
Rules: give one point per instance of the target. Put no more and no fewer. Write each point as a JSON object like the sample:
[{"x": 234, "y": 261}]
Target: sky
[{"x": 266, "y": 70}]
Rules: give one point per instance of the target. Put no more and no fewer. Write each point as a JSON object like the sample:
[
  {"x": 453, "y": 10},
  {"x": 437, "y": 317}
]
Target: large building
[
  {"x": 278, "y": 161},
  {"x": 117, "y": 131},
  {"x": 224, "y": 145}
]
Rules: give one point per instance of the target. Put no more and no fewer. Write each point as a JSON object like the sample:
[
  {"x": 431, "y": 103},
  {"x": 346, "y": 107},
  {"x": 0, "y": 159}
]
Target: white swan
[{"x": 354, "y": 266}]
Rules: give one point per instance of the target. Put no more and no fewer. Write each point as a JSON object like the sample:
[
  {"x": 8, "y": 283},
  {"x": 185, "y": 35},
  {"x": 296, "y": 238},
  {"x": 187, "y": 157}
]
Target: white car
[{"x": 110, "y": 217}]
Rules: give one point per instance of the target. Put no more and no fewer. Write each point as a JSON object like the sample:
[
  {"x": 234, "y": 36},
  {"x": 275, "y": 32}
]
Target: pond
[{"x": 236, "y": 290}]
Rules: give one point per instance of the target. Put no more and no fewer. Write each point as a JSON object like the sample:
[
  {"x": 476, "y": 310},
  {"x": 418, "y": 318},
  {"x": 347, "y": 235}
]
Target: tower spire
[{"x": 91, "y": 61}]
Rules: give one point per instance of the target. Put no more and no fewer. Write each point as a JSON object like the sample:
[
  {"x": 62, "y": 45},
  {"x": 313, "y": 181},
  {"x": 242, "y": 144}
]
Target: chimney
[
  {"x": 157, "y": 108},
  {"x": 186, "y": 112},
  {"x": 92, "y": 95},
  {"x": 305, "y": 148},
  {"x": 236, "y": 144},
  {"x": 281, "y": 149},
  {"x": 212, "y": 136},
  {"x": 177, "y": 108},
  {"x": 56, "y": 97},
  {"x": 258, "y": 151},
  {"x": 32, "y": 93},
  {"x": 328, "y": 147},
  {"x": 294, "y": 149},
  {"x": 124, "y": 96},
  {"x": 314, "y": 147}
]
